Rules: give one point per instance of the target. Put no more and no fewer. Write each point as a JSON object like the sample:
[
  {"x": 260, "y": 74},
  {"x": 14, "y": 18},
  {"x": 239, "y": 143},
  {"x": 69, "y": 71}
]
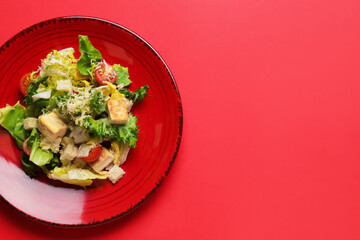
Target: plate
[{"x": 159, "y": 120}]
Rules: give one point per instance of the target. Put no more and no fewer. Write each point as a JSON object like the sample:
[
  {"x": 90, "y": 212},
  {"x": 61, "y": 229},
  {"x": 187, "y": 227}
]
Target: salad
[{"x": 77, "y": 125}]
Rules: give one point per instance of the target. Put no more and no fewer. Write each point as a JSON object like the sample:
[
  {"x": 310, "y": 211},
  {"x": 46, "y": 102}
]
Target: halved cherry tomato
[
  {"x": 25, "y": 82},
  {"x": 26, "y": 148},
  {"x": 93, "y": 155},
  {"x": 105, "y": 73}
]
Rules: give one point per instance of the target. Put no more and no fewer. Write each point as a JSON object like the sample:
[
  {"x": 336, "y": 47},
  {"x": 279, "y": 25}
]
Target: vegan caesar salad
[{"x": 77, "y": 125}]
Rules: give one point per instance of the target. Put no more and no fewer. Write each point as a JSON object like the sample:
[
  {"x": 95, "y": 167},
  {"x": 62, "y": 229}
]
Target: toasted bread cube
[
  {"x": 30, "y": 123},
  {"x": 115, "y": 174},
  {"x": 117, "y": 111},
  {"x": 105, "y": 159},
  {"x": 51, "y": 126},
  {"x": 69, "y": 151}
]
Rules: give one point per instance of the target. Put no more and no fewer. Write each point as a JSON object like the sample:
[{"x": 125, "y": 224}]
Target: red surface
[{"x": 270, "y": 92}]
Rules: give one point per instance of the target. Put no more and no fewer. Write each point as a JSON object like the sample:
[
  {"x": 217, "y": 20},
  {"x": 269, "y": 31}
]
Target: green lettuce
[
  {"x": 71, "y": 174},
  {"x": 97, "y": 103},
  {"x": 12, "y": 119},
  {"x": 122, "y": 75},
  {"x": 88, "y": 55},
  {"x": 55, "y": 162},
  {"x": 60, "y": 65},
  {"x": 33, "y": 87},
  {"x": 29, "y": 167},
  {"x": 36, "y": 109},
  {"x": 38, "y": 156},
  {"x": 102, "y": 129},
  {"x": 136, "y": 96}
]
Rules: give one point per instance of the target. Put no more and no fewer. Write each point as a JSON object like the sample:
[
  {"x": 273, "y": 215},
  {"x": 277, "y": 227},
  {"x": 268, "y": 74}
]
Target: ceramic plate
[{"x": 159, "y": 120}]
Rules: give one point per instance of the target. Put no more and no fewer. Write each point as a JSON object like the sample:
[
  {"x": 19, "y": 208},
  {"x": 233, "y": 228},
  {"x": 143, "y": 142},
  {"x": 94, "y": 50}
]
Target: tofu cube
[
  {"x": 115, "y": 174},
  {"x": 64, "y": 85},
  {"x": 105, "y": 159},
  {"x": 30, "y": 123},
  {"x": 51, "y": 126},
  {"x": 117, "y": 111}
]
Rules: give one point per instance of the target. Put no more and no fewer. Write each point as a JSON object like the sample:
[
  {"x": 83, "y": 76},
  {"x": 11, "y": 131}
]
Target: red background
[{"x": 271, "y": 102}]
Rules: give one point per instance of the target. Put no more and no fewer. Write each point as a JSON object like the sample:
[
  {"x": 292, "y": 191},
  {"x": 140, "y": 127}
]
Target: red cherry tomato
[
  {"x": 93, "y": 155},
  {"x": 26, "y": 148},
  {"x": 105, "y": 73},
  {"x": 24, "y": 83}
]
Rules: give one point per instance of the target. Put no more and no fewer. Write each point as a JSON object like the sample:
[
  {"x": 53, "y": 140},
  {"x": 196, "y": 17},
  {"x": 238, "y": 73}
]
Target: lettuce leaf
[
  {"x": 88, "y": 55},
  {"x": 71, "y": 174},
  {"x": 61, "y": 65},
  {"x": 36, "y": 109},
  {"x": 33, "y": 87},
  {"x": 38, "y": 156},
  {"x": 97, "y": 103},
  {"x": 32, "y": 138},
  {"x": 136, "y": 96},
  {"x": 29, "y": 167},
  {"x": 102, "y": 129},
  {"x": 12, "y": 119},
  {"x": 122, "y": 75},
  {"x": 65, "y": 178},
  {"x": 55, "y": 162}
]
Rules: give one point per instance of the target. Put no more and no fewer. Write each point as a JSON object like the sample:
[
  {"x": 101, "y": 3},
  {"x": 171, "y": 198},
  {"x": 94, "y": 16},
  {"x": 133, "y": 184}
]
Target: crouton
[
  {"x": 30, "y": 123},
  {"x": 115, "y": 174},
  {"x": 51, "y": 126},
  {"x": 69, "y": 151},
  {"x": 105, "y": 159},
  {"x": 117, "y": 111}
]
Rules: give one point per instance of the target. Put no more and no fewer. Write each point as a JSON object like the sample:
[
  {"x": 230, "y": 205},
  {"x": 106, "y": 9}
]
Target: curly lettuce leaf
[
  {"x": 97, "y": 103},
  {"x": 102, "y": 129},
  {"x": 88, "y": 55},
  {"x": 61, "y": 65},
  {"x": 12, "y": 119},
  {"x": 122, "y": 75},
  {"x": 136, "y": 96}
]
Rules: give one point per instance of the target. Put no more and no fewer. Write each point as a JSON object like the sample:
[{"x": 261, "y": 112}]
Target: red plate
[{"x": 160, "y": 123}]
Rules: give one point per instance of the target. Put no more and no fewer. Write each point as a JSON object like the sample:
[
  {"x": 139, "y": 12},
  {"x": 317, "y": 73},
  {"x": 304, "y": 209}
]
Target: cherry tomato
[
  {"x": 93, "y": 155},
  {"x": 26, "y": 148},
  {"x": 105, "y": 73},
  {"x": 24, "y": 83}
]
